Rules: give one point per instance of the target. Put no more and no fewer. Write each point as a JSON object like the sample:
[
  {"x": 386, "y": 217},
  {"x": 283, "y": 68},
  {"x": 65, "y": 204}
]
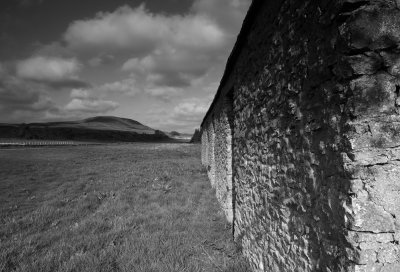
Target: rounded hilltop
[{"x": 98, "y": 128}]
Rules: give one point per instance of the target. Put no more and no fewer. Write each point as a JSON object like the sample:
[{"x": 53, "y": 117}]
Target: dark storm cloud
[
  {"x": 14, "y": 92},
  {"x": 20, "y": 99},
  {"x": 69, "y": 84}
]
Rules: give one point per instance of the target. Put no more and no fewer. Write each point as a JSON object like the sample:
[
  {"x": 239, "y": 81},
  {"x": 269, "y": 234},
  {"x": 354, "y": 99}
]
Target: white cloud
[
  {"x": 126, "y": 86},
  {"x": 199, "y": 45},
  {"x": 100, "y": 60},
  {"x": 94, "y": 62},
  {"x": 192, "y": 111},
  {"x": 81, "y": 94},
  {"x": 140, "y": 31},
  {"x": 89, "y": 101},
  {"x": 170, "y": 67},
  {"x": 164, "y": 57},
  {"x": 228, "y": 14},
  {"x": 135, "y": 85},
  {"x": 185, "y": 116},
  {"x": 123, "y": 29},
  {"x": 91, "y": 106},
  {"x": 50, "y": 69},
  {"x": 165, "y": 50},
  {"x": 165, "y": 94},
  {"x": 54, "y": 49}
]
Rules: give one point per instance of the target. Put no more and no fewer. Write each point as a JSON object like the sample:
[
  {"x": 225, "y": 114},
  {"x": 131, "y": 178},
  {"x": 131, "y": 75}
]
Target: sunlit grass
[{"x": 138, "y": 207}]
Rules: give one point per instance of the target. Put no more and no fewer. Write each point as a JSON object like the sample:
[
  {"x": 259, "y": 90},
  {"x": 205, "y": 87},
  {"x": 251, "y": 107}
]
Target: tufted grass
[{"x": 131, "y": 207}]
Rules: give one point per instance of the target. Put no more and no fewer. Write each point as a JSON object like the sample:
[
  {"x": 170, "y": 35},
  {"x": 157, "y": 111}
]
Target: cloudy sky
[{"x": 156, "y": 61}]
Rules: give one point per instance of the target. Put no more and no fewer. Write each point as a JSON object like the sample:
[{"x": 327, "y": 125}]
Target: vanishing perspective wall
[
  {"x": 217, "y": 154},
  {"x": 316, "y": 136},
  {"x": 204, "y": 148},
  {"x": 223, "y": 156},
  {"x": 210, "y": 152}
]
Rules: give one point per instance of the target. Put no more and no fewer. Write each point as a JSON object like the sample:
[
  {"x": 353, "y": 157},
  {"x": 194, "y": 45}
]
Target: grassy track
[{"x": 137, "y": 207}]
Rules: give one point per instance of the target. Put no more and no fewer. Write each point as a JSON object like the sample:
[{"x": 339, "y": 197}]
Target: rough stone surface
[
  {"x": 223, "y": 157},
  {"x": 204, "y": 148},
  {"x": 316, "y": 137},
  {"x": 211, "y": 152}
]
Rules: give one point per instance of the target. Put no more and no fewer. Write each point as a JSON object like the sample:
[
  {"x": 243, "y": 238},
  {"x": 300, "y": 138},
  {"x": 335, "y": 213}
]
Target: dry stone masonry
[{"x": 302, "y": 140}]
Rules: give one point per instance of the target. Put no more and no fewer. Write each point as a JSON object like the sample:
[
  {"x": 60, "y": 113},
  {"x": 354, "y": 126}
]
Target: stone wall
[
  {"x": 204, "y": 148},
  {"x": 223, "y": 157},
  {"x": 316, "y": 139},
  {"x": 217, "y": 154},
  {"x": 210, "y": 152}
]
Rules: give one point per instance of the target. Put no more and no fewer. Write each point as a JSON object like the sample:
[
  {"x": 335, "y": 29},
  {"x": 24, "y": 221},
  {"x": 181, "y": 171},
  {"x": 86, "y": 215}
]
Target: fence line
[{"x": 40, "y": 143}]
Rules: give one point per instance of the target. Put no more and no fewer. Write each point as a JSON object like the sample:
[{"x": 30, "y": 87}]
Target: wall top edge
[{"x": 240, "y": 42}]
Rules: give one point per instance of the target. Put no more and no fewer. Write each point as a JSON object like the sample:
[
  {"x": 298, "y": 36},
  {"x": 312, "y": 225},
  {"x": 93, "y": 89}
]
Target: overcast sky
[{"x": 156, "y": 61}]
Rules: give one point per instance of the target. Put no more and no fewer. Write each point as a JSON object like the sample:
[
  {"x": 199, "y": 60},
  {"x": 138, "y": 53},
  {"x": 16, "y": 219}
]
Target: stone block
[
  {"x": 375, "y": 28},
  {"x": 391, "y": 267},
  {"x": 389, "y": 254},
  {"x": 370, "y": 217},
  {"x": 365, "y": 64},
  {"x": 392, "y": 62}
]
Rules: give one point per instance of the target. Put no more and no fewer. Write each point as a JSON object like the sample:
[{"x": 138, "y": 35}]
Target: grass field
[{"x": 132, "y": 207}]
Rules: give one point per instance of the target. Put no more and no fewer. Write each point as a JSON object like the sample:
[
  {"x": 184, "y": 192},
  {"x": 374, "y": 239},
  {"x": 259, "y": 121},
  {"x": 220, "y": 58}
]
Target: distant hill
[{"x": 99, "y": 128}]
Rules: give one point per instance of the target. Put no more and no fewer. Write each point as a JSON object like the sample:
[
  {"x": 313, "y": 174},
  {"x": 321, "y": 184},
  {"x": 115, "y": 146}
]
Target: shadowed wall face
[
  {"x": 223, "y": 157},
  {"x": 204, "y": 148},
  {"x": 316, "y": 137},
  {"x": 217, "y": 154},
  {"x": 210, "y": 152}
]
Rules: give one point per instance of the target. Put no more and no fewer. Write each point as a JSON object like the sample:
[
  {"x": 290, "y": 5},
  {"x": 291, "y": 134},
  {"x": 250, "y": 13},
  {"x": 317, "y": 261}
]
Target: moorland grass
[{"x": 131, "y": 207}]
